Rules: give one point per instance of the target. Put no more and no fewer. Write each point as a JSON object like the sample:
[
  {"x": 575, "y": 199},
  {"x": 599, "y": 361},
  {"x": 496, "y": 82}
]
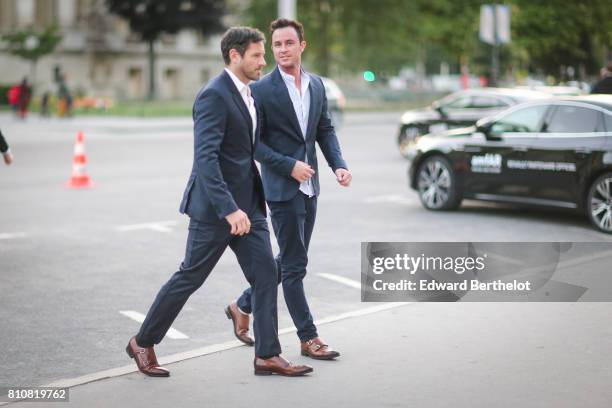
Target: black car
[
  {"x": 459, "y": 109},
  {"x": 555, "y": 153}
]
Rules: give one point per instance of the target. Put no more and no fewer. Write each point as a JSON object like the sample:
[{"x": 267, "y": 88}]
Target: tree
[
  {"x": 150, "y": 18},
  {"x": 32, "y": 45}
]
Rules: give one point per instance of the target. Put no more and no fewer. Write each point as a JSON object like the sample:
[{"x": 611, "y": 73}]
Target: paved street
[{"x": 72, "y": 261}]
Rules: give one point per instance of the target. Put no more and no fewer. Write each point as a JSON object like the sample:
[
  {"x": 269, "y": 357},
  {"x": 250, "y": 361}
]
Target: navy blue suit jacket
[
  {"x": 224, "y": 177},
  {"x": 281, "y": 144}
]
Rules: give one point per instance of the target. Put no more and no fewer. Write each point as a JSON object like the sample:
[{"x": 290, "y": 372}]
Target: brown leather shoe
[
  {"x": 318, "y": 350},
  {"x": 241, "y": 323},
  {"x": 280, "y": 366},
  {"x": 145, "y": 359}
]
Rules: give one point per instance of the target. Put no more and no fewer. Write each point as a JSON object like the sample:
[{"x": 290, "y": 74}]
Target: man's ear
[
  {"x": 234, "y": 55},
  {"x": 303, "y": 45}
]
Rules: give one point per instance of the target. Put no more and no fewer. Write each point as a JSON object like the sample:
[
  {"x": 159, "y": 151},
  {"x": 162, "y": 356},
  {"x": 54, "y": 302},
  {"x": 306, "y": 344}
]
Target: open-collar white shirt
[{"x": 300, "y": 99}]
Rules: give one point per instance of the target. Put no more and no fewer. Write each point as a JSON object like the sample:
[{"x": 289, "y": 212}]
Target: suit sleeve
[
  {"x": 264, "y": 154},
  {"x": 3, "y": 145},
  {"x": 210, "y": 114},
  {"x": 326, "y": 137}
]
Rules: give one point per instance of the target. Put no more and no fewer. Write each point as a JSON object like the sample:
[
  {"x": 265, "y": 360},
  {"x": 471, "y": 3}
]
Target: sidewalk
[{"x": 413, "y": 355}]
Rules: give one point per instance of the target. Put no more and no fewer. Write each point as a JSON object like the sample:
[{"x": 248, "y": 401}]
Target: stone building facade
[{"x": 101, "y": 57}]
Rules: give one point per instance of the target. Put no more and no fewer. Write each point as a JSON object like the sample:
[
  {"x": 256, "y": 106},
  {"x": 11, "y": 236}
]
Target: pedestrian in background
[
  {"x": 604, "y": 85},
  {"x": 13, "y": 98},
  {"x": 25, "y": 93},
  {"x": 4, "y": 149},
  {"x": 44, "y": 104}
]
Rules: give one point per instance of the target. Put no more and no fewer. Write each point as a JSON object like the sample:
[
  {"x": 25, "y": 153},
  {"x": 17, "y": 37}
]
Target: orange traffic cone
[{"x": 79, "y": 178}]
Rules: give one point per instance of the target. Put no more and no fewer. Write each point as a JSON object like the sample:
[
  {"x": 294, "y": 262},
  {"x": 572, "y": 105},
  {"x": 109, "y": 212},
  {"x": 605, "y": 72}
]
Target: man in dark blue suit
[
  {"x": 294, "y": 116},
  {"x": 225, "y": 202}
]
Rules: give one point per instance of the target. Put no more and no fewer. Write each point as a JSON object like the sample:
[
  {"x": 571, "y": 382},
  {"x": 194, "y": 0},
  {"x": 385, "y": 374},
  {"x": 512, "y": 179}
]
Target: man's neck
[
  {"x": 239, "y": 74},
  {"x": 296, "y": 72}
]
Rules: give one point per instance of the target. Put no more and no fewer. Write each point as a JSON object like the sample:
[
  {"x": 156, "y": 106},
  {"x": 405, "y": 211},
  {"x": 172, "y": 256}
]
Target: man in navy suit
[
  {"x": 294, "y": 116},
  {"x": 225, "y": 202}
]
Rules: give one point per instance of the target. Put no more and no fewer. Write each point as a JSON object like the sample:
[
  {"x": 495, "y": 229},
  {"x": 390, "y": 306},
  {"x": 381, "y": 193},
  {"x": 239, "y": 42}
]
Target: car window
[
  {"x": 573, "y": 119},
  {"x": 459, "y": 103},
  {"x": 527, "y": 119},
  {"x": 486, "y": 102}
]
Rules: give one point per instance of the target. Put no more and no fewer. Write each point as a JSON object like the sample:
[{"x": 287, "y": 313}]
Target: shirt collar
[
  {"x": 289, "y": 77},
  {"x": 241, "y": 86}
]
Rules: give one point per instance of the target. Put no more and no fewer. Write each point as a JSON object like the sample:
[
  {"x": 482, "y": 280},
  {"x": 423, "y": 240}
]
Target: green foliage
[
  {"x": 386, "y": 35},
  {"x": 150, "y": 18},
  {"x": 30, "y": 44}
]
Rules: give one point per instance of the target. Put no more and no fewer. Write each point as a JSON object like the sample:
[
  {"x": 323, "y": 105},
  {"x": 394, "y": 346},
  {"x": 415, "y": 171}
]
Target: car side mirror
[
  {"x": 439, "y": 108},
  {"x": 486, "y": 128}
]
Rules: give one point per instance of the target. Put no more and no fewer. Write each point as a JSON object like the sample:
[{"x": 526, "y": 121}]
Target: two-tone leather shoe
[
  {"x": 317, "y": 349},
  {"x": 278, "y": 365},
  {"x": 241, "y": 323},
  {"x": 145, "y": 359}
]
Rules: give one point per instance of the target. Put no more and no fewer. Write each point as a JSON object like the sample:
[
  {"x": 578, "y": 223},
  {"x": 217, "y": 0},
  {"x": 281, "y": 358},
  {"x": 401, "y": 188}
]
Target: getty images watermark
[{"x": 486, "y": 271}]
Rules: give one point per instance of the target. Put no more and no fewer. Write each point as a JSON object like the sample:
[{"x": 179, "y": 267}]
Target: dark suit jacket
[
  {"x": 224, "y": 177},
  {"x": 281, "y": 142}
]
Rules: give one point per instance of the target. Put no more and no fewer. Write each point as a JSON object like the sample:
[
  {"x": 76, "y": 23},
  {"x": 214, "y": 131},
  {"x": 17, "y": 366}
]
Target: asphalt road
[{"x": 72, "y": 260}]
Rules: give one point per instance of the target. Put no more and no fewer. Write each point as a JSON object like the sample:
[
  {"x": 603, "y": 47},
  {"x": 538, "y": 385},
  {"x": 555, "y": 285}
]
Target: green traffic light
[{"x": 369, "y": 76}]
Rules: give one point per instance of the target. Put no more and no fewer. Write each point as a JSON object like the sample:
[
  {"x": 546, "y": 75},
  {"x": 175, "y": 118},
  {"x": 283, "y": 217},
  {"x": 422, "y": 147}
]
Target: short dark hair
[
  {"x": 285, "y": 22},
  {"x": 239, "y": 39}
]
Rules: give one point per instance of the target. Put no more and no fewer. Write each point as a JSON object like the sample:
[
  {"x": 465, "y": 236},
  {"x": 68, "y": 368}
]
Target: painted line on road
[
  {"x": 389, "y": 198},
  {"x": 215, "y": 348},
  {"x": 341, "y": 279},
  {"x": 139, "y": 317},
  {"x": 12, "y": 235},
  {"x": 160, "y": 226}
]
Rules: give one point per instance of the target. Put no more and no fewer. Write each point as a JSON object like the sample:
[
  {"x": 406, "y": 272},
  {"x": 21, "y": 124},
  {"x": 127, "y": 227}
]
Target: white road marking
[
  {"x": 389, "y": 198},
  {"x": 161, "y": 226},
  {"x": 215, "y": 348},
  {"x": 12, "y": 235},
  {"x": 341, "y": 279},
  {"x": 139, "y": 317}
]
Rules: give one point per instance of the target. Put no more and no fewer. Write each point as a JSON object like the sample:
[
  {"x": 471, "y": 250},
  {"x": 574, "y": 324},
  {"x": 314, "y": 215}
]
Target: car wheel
[
  {"x": 407, "y": 138},
  {"x": 437, "y": 185},
  {"x": 599, "y": 203}
]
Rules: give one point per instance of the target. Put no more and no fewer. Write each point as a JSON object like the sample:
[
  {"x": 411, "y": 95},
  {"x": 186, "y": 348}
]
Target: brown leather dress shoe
[
  {"x": 280, "y": 366},
  {"x": 241, "y": 323},
  {"x": 318, "y": 350},
  {"x": 145, "y": 359}
]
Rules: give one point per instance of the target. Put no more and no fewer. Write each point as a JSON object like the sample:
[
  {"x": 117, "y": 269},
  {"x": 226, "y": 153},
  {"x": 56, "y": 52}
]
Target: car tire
[
  {"x": 599, "y": 203},
  {"x": 437, "y": 184},
  {"x": 406, "y": 138}
]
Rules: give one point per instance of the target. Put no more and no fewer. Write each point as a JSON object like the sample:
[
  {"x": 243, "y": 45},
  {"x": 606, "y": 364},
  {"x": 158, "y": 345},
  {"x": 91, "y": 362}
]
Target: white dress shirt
[
  {"x": 300, "y": 99},
  {"x": 248, "y": 100}
]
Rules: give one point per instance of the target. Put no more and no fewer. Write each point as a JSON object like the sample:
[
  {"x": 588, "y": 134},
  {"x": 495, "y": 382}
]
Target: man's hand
[
  {"x": 302, "y": 171},
  {"x": 8, "y": 158},
  {"x": 239, "y": 222},
  {"x": 344, "y": 177}
]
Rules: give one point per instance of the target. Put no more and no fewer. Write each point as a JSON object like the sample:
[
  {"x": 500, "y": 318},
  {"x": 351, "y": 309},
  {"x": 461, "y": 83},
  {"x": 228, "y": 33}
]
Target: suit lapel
[
  {"x": 315, "y": 106},
  {"x": 240, "y": 104},
  {"x": 285, "y": 102}
]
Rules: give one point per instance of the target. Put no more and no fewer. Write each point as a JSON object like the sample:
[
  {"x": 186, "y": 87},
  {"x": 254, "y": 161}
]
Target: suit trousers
[
  {"x": 206, "y": 242},
  {"x": 293, "y": 223}
]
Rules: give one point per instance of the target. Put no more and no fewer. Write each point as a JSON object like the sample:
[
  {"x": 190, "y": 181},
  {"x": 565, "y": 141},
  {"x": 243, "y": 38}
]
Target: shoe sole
[
  {"x": 228, "y": 313},
  {"x": 130, "y": 353},
  {"x": 331, "y": 357},
  {"x": 268, "y": 372}
]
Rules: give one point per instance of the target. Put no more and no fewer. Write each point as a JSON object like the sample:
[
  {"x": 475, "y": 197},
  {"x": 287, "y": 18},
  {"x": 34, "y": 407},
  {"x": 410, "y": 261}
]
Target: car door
[
  {"x": 563, "y": 152},
  {"x": 495, "y": 158}
]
